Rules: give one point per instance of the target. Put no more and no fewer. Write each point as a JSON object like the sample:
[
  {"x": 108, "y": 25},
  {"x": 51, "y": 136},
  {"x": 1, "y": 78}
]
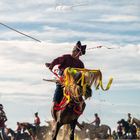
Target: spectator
[
  {"x": 114, "y": 135},
  {"x": 119, "y": 130},
  {"x": 3, "y": 119}
]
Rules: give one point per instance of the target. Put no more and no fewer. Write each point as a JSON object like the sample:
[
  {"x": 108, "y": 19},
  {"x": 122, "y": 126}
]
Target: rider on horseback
[
  {"x": 37, "y": 120},
  {"x": 96, "y": 120},
  {"x": 67, "y": 60},
  {"x": 129, "y": 120}
]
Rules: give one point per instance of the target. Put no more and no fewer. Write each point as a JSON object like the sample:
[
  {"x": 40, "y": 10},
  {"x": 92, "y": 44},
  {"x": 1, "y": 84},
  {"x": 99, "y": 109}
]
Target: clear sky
[{"x": 59, "y": 24}]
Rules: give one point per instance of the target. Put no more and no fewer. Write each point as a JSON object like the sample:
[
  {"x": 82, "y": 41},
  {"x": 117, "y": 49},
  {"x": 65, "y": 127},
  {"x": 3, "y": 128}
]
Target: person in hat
[
  {"x": 37, "y": 120},
  {"x": 3, "y": 119},
  {"x": 64, "y": 61},
  {"x": 96, "y": 120}
]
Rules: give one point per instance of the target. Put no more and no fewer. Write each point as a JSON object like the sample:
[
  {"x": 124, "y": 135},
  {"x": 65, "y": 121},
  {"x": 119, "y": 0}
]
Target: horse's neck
[{"x": 89, "y": 126}]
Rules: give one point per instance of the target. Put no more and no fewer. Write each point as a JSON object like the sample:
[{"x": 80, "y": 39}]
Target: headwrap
[{"x": 80, "y": 47}]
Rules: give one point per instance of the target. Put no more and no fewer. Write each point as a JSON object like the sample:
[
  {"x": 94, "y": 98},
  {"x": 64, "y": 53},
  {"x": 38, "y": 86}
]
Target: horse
[
  {"x": 17, "y": 136},
  {"x": 4, "y": 134},
  {"x": 77, "y": 87},
  {"x": 129, "y": 129},
  {"x": 136, "y": 121},
  {"x": 102, "y": 132},
  {"x": 67, "y": 116},
  {"x": 36, "y": 132}
]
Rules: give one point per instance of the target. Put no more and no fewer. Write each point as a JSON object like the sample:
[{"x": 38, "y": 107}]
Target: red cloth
[
  {"x": 66, "y": 61},
  {"x": 37, "y": 121}
]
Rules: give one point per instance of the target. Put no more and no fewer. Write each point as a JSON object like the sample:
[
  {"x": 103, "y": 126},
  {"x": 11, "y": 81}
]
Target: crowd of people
[
  {"x": 120, "y": 132},
  {"x": 64, "y": 61},
  {"x": 126, "y": 129},
  {"x": 21, "y": 126}
]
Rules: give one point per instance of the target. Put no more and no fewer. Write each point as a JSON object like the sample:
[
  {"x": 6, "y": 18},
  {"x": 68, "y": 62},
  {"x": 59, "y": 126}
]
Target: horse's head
[
  {"x": 78, "y": 82},
  {"x": 122, "y": 121}
]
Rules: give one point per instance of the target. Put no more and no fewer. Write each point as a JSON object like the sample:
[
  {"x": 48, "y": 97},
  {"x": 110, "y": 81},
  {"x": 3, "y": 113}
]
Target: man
[
  {"x": 119, "y": 130},
  {"x": 30, "y": 128},
  {"x": 3, "y": 119},
  {"x": 67, "y": 60},
  {"x": 97, "y": 120},
  {"x": 37, "y": 119},
  {"x": 18, "y": 130},
  {"x": 129, "y": 120}
]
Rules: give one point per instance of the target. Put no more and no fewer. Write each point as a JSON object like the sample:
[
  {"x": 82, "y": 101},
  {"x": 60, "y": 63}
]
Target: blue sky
[{"x": 59, "y": 24}]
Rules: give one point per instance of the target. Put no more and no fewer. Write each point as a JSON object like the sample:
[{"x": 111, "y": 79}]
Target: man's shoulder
[{"x": 66, "y": 55}]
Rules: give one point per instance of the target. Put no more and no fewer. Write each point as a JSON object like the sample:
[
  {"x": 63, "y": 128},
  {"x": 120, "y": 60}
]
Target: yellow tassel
[
  {"x": 88, "y": 77},
  {"x": 108, "y": 85}
]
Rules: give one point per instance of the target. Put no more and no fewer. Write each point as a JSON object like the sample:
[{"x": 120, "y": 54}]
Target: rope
[
  {"x": 19, "y": 32},
  {"x": 101, "y": 47}
]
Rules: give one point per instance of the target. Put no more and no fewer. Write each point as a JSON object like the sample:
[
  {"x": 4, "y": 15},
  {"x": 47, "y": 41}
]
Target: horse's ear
[{"x": 118, "y": 122}]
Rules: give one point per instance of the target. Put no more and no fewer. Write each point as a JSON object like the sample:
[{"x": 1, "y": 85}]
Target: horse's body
[
  {"x": 66, "y": 116},
  {"x": 77, "y": 84},
  {"x": 102, "y": 132}
]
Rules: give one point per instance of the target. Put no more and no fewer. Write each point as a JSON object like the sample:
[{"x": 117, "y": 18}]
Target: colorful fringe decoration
[{"x": 76, "y": 81}]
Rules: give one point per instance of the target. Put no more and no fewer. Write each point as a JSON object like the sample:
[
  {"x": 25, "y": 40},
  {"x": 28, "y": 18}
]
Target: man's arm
[
  {"x": 58, "y": 60},
  {"x": 93, "y": 122}
]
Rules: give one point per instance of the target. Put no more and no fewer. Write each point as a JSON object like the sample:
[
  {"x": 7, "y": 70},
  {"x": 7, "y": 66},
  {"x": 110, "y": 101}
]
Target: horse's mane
[
  {"x": 71, "y": 85},
  {"x": 78, "y": 81}
]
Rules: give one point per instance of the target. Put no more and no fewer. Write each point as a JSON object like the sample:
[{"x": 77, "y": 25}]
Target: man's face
[{"x": 76, "y": 52}]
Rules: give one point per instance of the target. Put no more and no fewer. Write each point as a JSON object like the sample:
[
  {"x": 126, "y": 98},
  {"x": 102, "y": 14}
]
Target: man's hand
[{"x": 47, "y": 64}]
